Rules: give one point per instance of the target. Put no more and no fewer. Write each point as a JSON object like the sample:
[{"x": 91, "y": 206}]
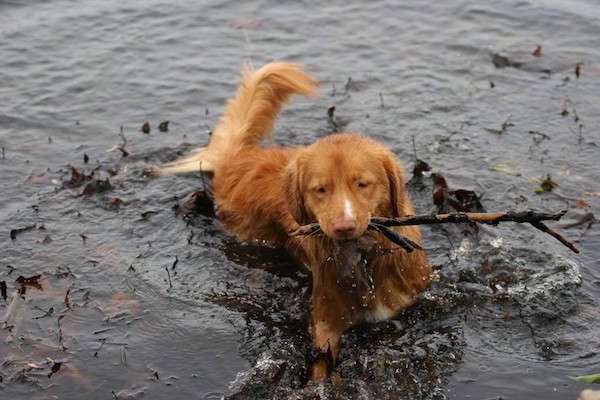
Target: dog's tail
[{"x": 250, "y": 116}]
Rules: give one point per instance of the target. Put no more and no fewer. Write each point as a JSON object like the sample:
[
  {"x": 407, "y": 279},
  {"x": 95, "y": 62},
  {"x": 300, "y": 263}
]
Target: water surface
[{"x": 136, "y": 300}]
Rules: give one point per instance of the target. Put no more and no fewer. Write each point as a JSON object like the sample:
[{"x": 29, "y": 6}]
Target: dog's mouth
[{"x": 378, "y": 224}]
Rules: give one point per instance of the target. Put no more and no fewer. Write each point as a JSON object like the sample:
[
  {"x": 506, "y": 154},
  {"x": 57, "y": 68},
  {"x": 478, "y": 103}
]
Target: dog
[{"x": 340, "y": 182}]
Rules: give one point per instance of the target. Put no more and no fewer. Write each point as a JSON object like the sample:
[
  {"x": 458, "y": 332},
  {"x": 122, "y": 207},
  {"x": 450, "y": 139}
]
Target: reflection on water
[{"x": 135, "y": 300}]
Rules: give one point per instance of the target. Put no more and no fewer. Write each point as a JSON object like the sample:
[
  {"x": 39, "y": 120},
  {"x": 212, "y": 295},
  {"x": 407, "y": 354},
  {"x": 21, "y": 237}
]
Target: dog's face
[{"x": 341, "y": 181}]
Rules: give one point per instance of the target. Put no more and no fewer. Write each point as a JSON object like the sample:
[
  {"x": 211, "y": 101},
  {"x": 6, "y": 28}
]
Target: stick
[{"x": 381, "y": 223}]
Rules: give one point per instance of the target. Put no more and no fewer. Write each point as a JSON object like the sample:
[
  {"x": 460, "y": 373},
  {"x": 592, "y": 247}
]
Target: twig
[
  {"x": 382, "y": 224},
  {"x": 169, "y": 276},
  {"x": 122, "y": 135}
]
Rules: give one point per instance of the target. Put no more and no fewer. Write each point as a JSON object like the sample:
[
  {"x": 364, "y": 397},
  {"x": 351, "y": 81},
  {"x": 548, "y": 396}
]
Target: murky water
[{"x": 134, "y": 300}]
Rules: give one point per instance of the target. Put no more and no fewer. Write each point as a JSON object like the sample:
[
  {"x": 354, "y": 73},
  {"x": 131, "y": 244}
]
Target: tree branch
[{"x": 383, "y": 224}]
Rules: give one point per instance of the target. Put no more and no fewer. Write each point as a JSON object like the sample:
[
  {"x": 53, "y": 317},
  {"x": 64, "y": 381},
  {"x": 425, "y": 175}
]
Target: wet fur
[{"x": 340, "y": 181}]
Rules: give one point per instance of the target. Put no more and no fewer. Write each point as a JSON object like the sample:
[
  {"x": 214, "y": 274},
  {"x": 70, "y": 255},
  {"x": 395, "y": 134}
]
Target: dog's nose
[{"x": 344, "y": 227}]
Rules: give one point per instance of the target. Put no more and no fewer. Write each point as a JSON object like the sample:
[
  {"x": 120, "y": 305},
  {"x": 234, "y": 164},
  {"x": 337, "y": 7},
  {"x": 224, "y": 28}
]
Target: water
[{"x": 148, "y": 303}]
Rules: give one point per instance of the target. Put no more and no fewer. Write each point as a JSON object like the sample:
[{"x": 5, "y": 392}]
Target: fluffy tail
[{"x": 250, "y": 116}]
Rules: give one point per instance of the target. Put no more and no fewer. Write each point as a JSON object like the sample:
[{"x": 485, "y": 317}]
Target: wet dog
[{"x": 340, "y": 182}]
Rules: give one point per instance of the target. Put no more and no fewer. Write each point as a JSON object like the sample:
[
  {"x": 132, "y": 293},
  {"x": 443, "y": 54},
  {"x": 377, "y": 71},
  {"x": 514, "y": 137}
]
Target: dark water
[{"x": 138, "y": 301}]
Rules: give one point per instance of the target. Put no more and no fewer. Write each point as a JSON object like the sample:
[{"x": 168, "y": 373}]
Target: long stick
[{"x": 531, "y": 217}]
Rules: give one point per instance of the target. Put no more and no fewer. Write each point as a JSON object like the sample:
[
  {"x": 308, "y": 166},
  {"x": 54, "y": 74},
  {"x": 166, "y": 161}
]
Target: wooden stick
[{"x": 381, "y": 223}]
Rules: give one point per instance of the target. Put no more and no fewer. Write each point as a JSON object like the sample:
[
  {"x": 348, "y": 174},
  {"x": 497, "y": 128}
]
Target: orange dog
[{"x": 340, "y": 181}]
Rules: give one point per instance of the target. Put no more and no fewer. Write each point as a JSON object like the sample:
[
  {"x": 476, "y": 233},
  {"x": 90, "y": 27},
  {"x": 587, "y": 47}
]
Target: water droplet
[
  {"x": 365, "y": 304},
  {"x": 354, "y": 285}
]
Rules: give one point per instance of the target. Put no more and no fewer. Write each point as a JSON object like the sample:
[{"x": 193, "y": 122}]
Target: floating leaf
[
  {"x": 31, "y": 281},
  {"x": 419, "y": 168},
  {"x": 583, "y": 203},
  {"x": 97, "y": 186},
  {"x": 15, "y": 232},
  {"x": 537, "y": 52},
  {"x": 595, "y": 378},
  {"x": 502, "y": 61},
  {"x": 502, "y": 168},
  {"x": 163, "y": 126},
  {"x": 116, "y": 202},
  {"x": 548, "y": 184},
  {"x": 145, "y": 127},
  {"x": 112, "y": 172},
  {"x": 199, "y": 202}
]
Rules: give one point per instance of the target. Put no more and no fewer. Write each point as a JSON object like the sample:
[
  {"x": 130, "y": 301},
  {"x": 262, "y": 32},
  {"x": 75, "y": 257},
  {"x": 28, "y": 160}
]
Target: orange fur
[{"x": 340, "y": 181}]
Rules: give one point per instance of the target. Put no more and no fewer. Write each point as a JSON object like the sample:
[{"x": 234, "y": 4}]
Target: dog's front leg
[
  {"x": 327, "y": 342},
  {"x": 330, "y": 320}
]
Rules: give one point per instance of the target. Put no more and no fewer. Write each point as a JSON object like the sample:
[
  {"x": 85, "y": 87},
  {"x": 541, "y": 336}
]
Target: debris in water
[
  {"x": 537, "y": 52},
  {"x": 145, "y": 127},
  {"x": 163, "y": 126},
  {"x": 546, "y": 185},
  {"x": 502, "y": 61},
  {"x": 448, "y": 200},
  {"x": 15, "y": 232},
  {"x": 31, "y": 281},
  {"x": 97, "y": 186},
  {"x": 506, "y": 124},
  {"x": 199, "y": 202}
]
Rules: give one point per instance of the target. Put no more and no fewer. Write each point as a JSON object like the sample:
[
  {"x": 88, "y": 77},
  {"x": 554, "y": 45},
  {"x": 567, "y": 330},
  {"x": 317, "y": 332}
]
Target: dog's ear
[
  {"x": 400, "y": 205},
  {"x": 292, "y": 193}
]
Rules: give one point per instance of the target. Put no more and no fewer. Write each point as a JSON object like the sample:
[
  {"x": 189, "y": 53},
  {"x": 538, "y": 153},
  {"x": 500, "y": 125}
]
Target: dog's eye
[
  {"x": 362, "y": 185},
  {"x": 320, "y": 189}
]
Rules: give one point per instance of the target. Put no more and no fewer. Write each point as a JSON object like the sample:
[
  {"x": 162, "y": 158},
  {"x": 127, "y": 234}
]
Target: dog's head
[{"x": 341, "y": 181}]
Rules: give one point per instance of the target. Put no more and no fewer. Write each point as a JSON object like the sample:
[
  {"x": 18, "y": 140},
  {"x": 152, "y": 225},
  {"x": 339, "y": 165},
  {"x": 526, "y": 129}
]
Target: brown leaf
[
  {"x": 97, "y": 186},
  {"x": 583, "y": 203},
  {"x": 199, "y": 202},
  {"x": 15, "y": 232},
  {"x": 419, "y": 168},
  {"x": 548, "y": 184},
  {"x": 77, "y": 178},
  {"x": 145, "y": 127},
  {"x": 116, "y": 202},
  {"x": 31, "y": 281},
  {"x": 279, "y": 374},
  {"x": 112, "y": 172},
  {"x": 538, "y": 51},
  {"x": 163, "y": 126}
]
